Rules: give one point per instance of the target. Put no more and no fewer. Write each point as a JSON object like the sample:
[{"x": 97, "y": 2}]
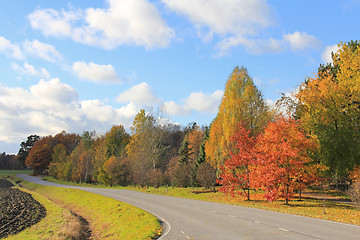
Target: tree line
[{"x": 308, "y": 137}]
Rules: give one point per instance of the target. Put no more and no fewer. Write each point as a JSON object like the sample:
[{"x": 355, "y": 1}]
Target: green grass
[
  {"x": 108, "y": 218},
  {"x": 54, "y": 180},
  {"x": 50, "y": 227},
  {"x": 14, "y": 172}
]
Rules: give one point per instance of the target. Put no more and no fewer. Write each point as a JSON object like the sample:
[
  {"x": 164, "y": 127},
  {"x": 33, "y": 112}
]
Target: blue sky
[{"x": 87, "y": 65}]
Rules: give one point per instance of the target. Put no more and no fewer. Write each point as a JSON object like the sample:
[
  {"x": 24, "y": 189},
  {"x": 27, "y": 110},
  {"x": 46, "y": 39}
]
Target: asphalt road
[{"x": 192, "y": 219}]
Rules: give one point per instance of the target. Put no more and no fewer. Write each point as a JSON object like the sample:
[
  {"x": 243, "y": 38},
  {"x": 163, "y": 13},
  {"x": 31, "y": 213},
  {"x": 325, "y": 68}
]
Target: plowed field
[{"x": 18, "y": 210}]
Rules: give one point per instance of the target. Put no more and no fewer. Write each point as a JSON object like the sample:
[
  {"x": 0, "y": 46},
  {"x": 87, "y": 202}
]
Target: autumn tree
[
  {"x": 196, "y": 139},
  {"x": 235, "y": 177},
  {"x": 69, "y": 140},
  {"x": 184, "y": 169},
  {"x": 115, "y": 171},
  {"x": 84, "y": 168},
  {"x": 355, "y": 174},
  {"x": 205, "y": 173},
  {"x": 354, "y": 190},
  {"x": 329, "y": 107},
  {"x": 40, "y": 155},
  {"x": 59, "y": 159},
  {"x": 147, "y": 146},
  {"x": 283, "y": 156},
  {"x": 116, "y": 140},
  {"x": 242, "y": 102},
  {"x": 188, "y": 155},
  {"x": 100, "y": 157},
  {"x": 88, "y": 138}
]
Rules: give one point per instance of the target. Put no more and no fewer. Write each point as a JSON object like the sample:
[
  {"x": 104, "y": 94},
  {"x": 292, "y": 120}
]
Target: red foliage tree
[
  {"x": 283, "y": 162},
  {"x": 235, "y": 176},
  {"x": 355, "y": 174},
  {"x": 40, "y": 155}
]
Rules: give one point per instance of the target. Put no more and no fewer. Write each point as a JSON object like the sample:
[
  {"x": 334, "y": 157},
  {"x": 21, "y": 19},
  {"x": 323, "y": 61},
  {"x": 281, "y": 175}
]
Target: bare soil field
[{"x": 18, "y": 210}]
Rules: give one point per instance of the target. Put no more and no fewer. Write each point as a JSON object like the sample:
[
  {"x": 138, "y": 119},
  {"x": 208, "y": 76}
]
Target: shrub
[
  {"x": 158, "y": 178},
  {"x": 206, "y": 175},
  {"x": 354, "y": 192}
]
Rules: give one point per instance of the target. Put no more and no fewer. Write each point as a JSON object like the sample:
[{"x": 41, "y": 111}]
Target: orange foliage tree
[
  {"x": 242, "y": 102},
  {"x": 283, "y": 159},
  {"x": 355, "y": 174},
  {"x": 329, "y": 106},
  {"x": 195, "y": 138},
  {"x": 235, "y": 176},
  {"x": 40, "y": 155}
]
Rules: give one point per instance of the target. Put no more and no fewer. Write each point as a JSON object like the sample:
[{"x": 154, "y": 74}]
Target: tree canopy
[{"x": 242, "y": 102}]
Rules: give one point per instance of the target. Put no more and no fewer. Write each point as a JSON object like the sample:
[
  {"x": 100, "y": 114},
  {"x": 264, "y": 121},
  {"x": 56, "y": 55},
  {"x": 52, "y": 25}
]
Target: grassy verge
[
  {"x": 329, "y": 210},
  {"x": 108, "y": 218},
  {"x": 53, "y": 226},
  {"x": 14, "y": 172}
]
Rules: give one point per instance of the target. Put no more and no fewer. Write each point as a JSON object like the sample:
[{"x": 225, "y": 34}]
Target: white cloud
[
  {"x": 30, "y": 70},
  {"x": 301, "y": 41},
  {"x": 42, "y": 50},
  {"x": 174, "y": 109},
  {"x": 97, "y": 110},
  {"x": 95, "y": 72},
  {"x": 131, "y": 22},
  {"x": 257, "y": 46},
  {"x": 10, "y": 49},
  {"x": 196, "y": 101},
  {"x": 295, "y": 41},
  {"x": 49, "y": 107},
  {"x": 53, "y": 23},
  {"x": 239, "y": 23},
  {"x": 326, "y": 55},
  {"x": 204, "y": 103},
  {"x": 139, "y": 94},
  {"x": 44, "y": 109},
  {"x": 54, "y": 91},
  {"x": 239, "y": 17}
]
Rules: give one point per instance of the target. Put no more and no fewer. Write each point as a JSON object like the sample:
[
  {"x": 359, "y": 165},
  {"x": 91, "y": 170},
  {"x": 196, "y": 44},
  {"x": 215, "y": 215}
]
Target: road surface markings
[
  {"x": 232, "y": 216},
  {"x": 256, "y": 222},
  {"x": 282, "y": 229},
  {"x": 187, "y": 237}
]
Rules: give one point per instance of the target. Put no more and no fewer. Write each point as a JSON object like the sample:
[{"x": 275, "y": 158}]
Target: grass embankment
[
  {"x": 316, "y": 208},
  {"x": 57, "y": 224},
  {"x": 107, "y": 218},
  {"x": 14, "y": 172}
]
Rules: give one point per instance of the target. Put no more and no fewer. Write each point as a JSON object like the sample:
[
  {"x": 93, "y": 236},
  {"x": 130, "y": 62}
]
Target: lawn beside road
[
  {"x": 4, "y": 173},
  {"x": 107, "y": 218},
  {"x": 309, "y": 207}
]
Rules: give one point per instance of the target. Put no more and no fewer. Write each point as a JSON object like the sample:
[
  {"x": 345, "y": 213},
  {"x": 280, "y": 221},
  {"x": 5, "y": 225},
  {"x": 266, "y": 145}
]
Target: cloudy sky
[{"x": 87, "y": 65}]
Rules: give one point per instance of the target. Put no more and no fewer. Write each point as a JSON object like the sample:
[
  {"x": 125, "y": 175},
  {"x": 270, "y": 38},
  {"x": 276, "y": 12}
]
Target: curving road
[{"x": 192, "y": 219}]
